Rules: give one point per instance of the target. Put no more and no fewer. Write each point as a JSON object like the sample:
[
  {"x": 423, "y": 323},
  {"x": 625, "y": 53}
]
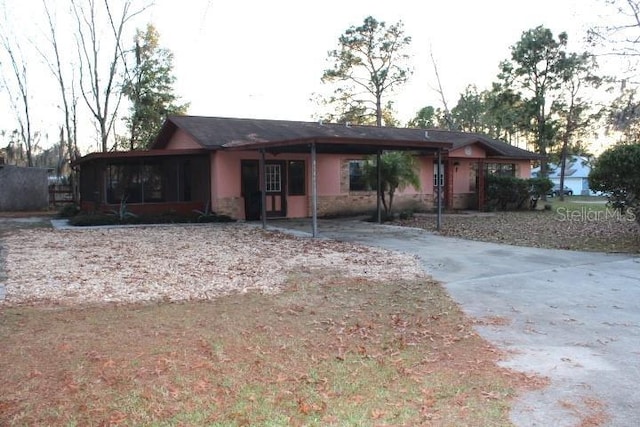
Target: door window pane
[
  {"x": 438, "y": 181},
  {"x": 273, "y": 178}
]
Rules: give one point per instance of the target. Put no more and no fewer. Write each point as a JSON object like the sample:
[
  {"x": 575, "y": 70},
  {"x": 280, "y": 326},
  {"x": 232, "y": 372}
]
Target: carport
[{"x": 372, "y": 142}]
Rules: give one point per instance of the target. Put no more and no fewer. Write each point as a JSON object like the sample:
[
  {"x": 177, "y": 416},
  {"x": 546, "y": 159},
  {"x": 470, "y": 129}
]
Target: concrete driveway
[{"x": 573, "y": 317}]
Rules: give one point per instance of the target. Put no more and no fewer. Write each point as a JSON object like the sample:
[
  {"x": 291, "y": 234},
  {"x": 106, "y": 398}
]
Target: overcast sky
[{"x": 264, "y": 59}]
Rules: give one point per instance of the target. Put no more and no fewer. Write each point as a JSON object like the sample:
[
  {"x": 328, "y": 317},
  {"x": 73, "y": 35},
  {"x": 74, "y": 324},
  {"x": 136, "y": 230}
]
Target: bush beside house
[
  {"x": 617, "y": 173},
  {"x": 511, "y": 193}
]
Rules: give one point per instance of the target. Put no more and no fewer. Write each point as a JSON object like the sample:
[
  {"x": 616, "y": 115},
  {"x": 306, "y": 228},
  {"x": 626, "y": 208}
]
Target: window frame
[
  {"x": 358, "y": 179},
  {"x": 501, "y": 169},
  {"x": 135, "y": 182},
  {"x": 435, "y": 174},
  {"x": 273, "y": 178}
]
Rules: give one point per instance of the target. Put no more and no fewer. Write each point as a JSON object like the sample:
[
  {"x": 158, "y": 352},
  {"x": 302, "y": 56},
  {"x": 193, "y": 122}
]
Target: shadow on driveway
[{"x": 571, "y": 316}]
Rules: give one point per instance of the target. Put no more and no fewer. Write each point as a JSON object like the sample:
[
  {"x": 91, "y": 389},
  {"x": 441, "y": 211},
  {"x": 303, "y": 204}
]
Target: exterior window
[
  {"x": 438, "y": 181},
  {"x": 296, "y": 178},
  {"x": 186, "y": 180},
  {"x": 357, "y": 180},
  {"x": 273, "y": 178},
  {"x": 122, "y": 184},
  {"x": 151, "y": 181},
  {"x": 501, "y": 169},
  {"x": 135, "y": 183}
]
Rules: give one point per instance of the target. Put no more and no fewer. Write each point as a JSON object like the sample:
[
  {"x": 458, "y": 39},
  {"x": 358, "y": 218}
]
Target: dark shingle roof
[
  {"x": 220, "y": 133},
  {"x": 494, "y": 146}
]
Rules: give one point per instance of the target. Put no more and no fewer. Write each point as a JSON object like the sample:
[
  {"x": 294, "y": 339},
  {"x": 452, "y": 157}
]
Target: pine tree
[{"x": 150, "y": 90}]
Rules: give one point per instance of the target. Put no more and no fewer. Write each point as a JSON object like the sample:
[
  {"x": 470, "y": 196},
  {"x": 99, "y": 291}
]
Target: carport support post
[
  {"x": 263, "y": 192},
  {"x": 437, "y": 180},
  {"x": 379, "y": 191},
  {"x": 314, "y": 192}
]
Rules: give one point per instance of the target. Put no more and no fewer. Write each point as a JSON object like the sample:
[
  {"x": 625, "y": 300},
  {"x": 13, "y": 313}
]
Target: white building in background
[{"x": 576, "y": 175}]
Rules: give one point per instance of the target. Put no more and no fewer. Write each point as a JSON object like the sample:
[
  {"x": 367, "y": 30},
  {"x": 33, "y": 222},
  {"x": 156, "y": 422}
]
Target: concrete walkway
[{"x": 572, "y": 316}]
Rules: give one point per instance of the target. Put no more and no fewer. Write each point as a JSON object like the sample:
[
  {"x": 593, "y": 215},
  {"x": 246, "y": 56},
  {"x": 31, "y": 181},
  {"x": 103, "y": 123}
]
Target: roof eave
[
  {"x": 382, "y": 143},
  {"x": 114, "y": 155}
]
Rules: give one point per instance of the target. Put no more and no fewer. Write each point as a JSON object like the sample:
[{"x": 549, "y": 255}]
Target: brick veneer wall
[
  {"x": 364, "y": 202},
  {"x": 465, "y": 201},
  {"x": 232, "y": 206}
]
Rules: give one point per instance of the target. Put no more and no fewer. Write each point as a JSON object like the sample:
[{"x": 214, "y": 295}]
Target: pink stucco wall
[
  {"x": 426, "y": 174},
  {"x": 225, "y": 172},
  {"x": 464, "y": 175},
  {"x": 470, "y": 151},
  {"x": 523, "y": 168},
  {"x": 182, "y": 139},
  {"x": 226, "y": 179},
  {"x": 330, "y": 169}
]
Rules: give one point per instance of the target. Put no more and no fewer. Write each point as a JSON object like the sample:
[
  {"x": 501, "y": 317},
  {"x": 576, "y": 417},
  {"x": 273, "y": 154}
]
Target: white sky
[{"x": 264, "y": 59}]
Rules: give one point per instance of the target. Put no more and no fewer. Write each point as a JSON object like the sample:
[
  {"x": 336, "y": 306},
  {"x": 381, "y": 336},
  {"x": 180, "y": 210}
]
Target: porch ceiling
[{"x": 338, "y": 146}]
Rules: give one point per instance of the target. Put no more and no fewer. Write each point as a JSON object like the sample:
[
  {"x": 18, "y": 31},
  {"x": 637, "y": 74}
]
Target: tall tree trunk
[
  {"x": 563, "y": 165},
  {"x": 379, "y": 110},
  {"x": 384, "y": 203}
]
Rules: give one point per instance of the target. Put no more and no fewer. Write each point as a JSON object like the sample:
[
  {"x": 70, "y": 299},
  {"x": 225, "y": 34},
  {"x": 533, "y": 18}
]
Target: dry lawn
[{"x": 261, "y": 329}]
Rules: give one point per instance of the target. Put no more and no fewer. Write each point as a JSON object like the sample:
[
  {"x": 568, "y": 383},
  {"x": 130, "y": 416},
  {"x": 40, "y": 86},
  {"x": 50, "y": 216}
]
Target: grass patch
[
  {"x": 344, "y": 352},
  {"x": 590, "y": 203}
]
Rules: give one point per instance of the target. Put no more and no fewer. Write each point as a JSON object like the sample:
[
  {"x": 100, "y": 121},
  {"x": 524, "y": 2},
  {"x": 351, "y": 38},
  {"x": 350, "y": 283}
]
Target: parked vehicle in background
[{"x": 555, "y": 191}]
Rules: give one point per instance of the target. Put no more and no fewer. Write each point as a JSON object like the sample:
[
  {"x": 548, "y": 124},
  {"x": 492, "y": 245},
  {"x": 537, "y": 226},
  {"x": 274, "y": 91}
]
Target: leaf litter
[{"x": 176, "y": 263}]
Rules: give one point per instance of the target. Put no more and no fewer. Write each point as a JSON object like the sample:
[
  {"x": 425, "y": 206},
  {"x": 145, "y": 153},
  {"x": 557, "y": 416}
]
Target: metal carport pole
[
  {"x": 439, "y": 172},
  {"x": 314, "y": 192},
  {"x": 263, "y": 190},
  {"x": 379, "y": 185}
]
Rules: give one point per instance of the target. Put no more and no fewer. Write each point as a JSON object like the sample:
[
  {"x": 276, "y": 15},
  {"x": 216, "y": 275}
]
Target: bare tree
[
  {"x": 68, "y": 136},
  {"x": 99, "y": 79},
  {"x": 447, "y": 113},
  {"x": 622, "y": 37},
  {"x": 68, "y": 144},
  {"x": 18, "y": 91},
  {"x": 619, "y": 37}
]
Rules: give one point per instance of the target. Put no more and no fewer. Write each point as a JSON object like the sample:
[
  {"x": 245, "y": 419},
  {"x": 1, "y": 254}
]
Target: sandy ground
[{"x": 175, "y": 263}]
